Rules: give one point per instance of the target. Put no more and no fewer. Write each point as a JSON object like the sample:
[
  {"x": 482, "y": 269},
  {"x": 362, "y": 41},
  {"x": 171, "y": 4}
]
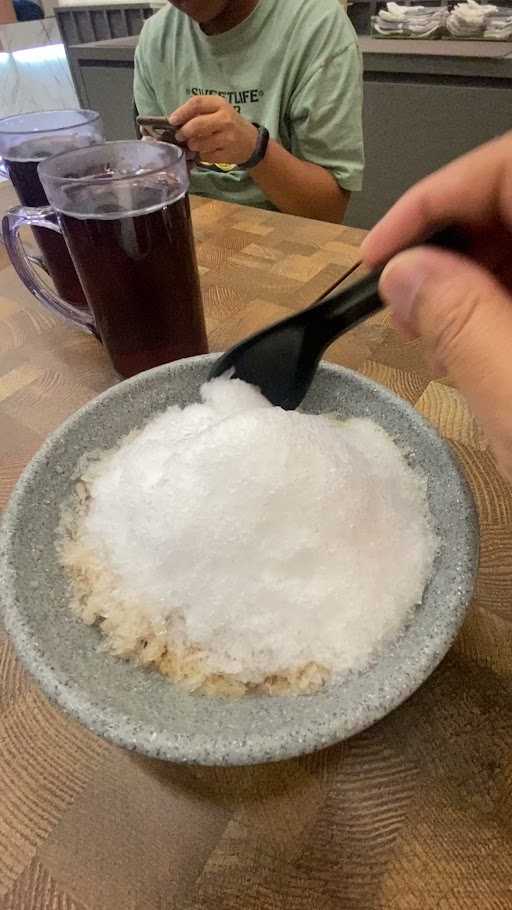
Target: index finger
[
  {"x": 471, "y": 191},
  {"x": 200, "y": 127},
  {"x": 195, "y": 107}
]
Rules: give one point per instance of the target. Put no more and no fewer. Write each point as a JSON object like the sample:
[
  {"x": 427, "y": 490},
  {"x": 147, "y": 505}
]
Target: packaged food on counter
[{"x": 398, "y": 21}]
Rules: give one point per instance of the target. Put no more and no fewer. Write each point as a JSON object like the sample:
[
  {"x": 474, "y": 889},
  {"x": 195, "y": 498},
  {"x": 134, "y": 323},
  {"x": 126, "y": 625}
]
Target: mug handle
[
  {"x": 44, "y": 217},
  {"x": 34, "y": 258}
]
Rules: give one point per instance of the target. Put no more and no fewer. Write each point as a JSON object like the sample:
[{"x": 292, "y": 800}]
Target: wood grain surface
[{"x": 414, "y": 814}]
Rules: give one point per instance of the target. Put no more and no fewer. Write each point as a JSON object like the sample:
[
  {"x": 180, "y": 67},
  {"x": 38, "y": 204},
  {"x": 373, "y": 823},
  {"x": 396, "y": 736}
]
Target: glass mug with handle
[
  {"x": 124, "y": 212},
  {"x": 25, "y": 141}
]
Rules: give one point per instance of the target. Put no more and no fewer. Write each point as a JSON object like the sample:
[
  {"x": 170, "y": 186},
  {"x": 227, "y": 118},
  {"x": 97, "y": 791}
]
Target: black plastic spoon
[{"x": 282, "y": 359}]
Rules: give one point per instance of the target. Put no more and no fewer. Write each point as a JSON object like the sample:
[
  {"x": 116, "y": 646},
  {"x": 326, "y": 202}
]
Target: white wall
[{"x": 35, "y": 79}]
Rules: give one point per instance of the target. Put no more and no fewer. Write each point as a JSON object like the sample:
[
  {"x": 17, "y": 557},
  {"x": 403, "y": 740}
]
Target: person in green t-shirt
[{"x": 224, "y": 71}]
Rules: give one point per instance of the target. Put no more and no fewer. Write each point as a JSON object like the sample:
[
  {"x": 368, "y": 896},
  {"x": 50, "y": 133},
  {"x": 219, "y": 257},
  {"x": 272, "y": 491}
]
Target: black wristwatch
[{"x": 260, "y": 151}]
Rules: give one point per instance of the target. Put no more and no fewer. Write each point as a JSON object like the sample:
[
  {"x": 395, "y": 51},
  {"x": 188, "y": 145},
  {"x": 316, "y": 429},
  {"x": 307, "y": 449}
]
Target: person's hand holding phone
[
  {"x": 212, "y": 128},
  {"x": 158, "y": 129}
]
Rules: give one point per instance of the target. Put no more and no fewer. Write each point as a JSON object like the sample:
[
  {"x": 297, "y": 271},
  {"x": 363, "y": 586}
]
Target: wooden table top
[{"x": 414, "y": 814}]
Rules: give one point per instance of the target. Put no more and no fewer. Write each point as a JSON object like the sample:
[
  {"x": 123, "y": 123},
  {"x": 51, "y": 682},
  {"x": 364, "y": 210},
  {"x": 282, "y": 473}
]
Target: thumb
[{"x": 465, "y": 316}]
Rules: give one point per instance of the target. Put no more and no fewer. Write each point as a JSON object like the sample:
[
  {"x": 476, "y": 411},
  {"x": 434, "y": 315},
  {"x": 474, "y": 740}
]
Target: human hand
[
  {"x": 212, "y": 128},
  {"x": 159, "y": 130},
  {"x": 460, "y": 305}
]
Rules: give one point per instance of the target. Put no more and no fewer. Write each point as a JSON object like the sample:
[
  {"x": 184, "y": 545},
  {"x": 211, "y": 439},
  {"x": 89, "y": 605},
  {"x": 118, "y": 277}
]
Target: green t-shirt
[{"x": 293, "y": 66}]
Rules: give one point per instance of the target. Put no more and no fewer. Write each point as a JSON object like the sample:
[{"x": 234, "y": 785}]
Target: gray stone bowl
[{"x": 140, "y": 709}]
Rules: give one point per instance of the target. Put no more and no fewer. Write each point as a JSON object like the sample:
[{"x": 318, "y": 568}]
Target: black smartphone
[{"x": 159, "y": 128}]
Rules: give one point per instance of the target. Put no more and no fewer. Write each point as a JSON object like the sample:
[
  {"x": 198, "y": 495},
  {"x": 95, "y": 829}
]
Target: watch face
[{"x": 216, "y": 168}]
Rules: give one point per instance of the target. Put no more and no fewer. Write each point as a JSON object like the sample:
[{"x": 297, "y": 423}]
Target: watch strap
[{"x": 260, "y": 149}]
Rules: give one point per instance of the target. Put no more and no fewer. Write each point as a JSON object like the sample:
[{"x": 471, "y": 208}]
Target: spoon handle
[{"x": 345, "y": 309}]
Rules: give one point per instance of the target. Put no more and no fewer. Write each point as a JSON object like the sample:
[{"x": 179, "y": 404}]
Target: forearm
[
  {"x": 211, "y": 127},
  {"x": 300, "y": 187}
]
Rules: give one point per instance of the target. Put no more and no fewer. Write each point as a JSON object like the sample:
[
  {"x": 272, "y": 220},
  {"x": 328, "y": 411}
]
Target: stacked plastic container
[
  {"x": 467, "y": 20},
  {"x": 398, "y": 21}
]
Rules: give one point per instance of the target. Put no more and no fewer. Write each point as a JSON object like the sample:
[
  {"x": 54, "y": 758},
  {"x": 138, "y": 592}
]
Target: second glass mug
[
  {"x": 25, "y": 141},
  {"x": 124, "y": 212}
]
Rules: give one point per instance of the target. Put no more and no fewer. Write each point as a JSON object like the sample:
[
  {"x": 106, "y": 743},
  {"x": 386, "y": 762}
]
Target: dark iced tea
[
  {"x": 140, "y": 276},
  {"x": 24, "y": 177}
]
